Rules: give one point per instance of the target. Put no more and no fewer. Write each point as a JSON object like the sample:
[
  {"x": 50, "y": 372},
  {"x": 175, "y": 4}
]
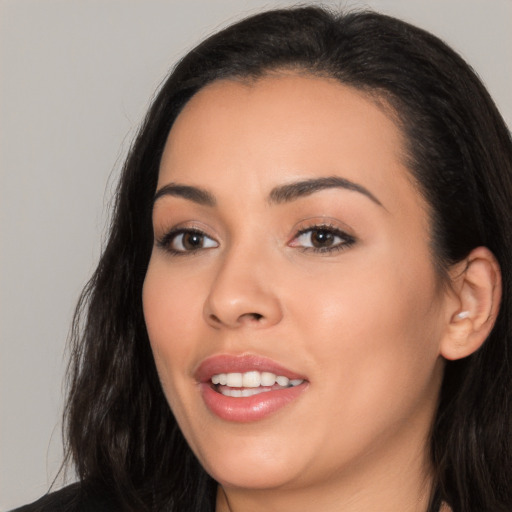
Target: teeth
[
  {"x": 267, "y": 379},
  {"x": 221, "y": 379},
  {"x": 251, "y": 381},
  {"x": 283, "y": 381},
  {"x": 234, "y": 380},
  {"x": 238, "y": 393}
]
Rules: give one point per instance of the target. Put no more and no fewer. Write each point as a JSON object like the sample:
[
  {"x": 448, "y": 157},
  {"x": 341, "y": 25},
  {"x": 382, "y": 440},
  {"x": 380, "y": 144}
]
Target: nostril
[
  {"x": 245, "y": 318},
  {"x": 215, "y": 319},
  {"x": 251, "y": 316},
  {"x": 242, "y": 319}
]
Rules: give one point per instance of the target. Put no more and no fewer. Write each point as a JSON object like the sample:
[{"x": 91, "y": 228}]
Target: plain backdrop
[{"x": 75, "y": 80}]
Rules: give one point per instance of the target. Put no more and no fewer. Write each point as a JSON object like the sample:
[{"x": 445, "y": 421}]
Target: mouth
[
  {"x": 247, "y": 388},
  {"x": 243, "y": 385}
]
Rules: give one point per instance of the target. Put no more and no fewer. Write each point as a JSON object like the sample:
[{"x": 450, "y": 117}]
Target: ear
[{"x": 476, "y": 285}]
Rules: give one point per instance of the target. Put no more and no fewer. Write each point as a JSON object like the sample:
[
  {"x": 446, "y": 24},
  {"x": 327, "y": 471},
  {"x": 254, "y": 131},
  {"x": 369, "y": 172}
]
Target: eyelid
[
  {"x": 320, "y": 222},
  {"x": 168, "y": 235},
  {"x": 323, "y": 224}
]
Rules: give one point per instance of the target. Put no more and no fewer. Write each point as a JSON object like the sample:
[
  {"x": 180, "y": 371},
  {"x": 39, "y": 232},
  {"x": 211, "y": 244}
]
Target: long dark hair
[{"x": 121, "y": 433}]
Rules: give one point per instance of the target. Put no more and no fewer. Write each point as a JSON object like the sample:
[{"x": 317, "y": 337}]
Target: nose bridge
[{"x": 242, "y": 292}]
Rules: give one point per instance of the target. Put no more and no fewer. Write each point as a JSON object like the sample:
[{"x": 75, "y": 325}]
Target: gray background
[{"x": 75, "y": 80}]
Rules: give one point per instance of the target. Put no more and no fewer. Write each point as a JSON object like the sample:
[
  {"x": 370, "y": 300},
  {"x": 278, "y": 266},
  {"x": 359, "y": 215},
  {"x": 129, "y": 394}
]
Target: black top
[{"x": 71, "y": 499}]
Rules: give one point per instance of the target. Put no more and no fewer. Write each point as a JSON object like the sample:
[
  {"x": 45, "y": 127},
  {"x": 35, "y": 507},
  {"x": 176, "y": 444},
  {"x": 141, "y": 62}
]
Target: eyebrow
[
  {"x": 195, "y": 194},
  {"x": 298, "y": 189},
  {"x": 278, "y": 195}
]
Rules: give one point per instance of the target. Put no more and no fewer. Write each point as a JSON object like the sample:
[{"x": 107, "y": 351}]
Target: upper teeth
[{"x": 253, "y": 379}]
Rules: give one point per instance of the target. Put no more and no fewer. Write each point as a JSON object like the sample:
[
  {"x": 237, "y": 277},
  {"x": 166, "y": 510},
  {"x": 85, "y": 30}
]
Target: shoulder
[{"x": 71, "y": 499}]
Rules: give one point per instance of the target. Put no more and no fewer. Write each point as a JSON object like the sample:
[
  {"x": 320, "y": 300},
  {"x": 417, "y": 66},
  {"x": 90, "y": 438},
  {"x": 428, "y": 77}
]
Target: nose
[{"x": 242, "y": 294}]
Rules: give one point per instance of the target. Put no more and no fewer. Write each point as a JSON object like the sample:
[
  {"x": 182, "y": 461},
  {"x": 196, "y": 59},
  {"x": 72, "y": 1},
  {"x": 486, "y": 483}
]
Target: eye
[
  {"x": 186, "y": 240},
  {"x": 322, "y": 239}
]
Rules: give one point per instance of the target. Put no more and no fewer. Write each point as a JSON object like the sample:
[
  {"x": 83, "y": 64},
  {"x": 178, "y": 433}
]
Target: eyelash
[
  {"x": 165, "y": 242},
  {"x": 346, "y": 239}
]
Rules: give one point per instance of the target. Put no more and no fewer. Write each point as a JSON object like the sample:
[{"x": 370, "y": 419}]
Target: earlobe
[{"x": 478, "y": 292}]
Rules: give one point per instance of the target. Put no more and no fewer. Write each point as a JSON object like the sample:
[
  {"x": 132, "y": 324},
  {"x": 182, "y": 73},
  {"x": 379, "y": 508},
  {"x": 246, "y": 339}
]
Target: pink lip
[
  {"x": 251, "y": 408},
  {"x": 240, "y": 364}
]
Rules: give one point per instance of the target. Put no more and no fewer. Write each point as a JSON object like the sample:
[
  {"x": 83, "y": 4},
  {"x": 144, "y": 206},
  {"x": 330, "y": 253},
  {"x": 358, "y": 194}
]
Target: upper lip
[{"x": 226, "y": 363}]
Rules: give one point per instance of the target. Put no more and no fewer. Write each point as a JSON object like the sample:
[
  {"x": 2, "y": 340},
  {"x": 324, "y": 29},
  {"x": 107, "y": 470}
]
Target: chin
[
  {"x": 251, "y": 463},
  {"x": 250, "y": 475}
]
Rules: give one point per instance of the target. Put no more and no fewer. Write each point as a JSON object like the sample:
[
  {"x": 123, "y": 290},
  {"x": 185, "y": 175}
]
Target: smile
[
  {"x": 259, "y": 388},
  {"x": 255, "y": 381},
  {"x": 243, "y": 385}
]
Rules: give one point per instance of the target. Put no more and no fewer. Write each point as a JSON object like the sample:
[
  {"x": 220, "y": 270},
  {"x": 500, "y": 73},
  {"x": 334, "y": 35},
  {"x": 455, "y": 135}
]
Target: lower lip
[{"x": 251, "y": 408}]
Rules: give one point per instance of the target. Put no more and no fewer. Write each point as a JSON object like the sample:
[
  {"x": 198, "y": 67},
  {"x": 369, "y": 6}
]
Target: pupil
[
  {"x": 322, "y": 238},
  {"x": 192, "y": 241}
]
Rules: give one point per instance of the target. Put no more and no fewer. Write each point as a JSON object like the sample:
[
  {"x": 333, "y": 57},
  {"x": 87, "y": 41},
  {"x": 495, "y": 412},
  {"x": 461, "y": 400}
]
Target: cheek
[
  {"x": 377, "y": 321},
  {"x": 170, "y": 301},
  {"x": 171, "y": 308},
  {"x": 166, "y": 313},
  {"x": 374, "y": 338}
]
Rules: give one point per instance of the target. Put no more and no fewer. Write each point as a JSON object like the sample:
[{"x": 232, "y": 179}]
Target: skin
[{"x": 364, "y": 324}]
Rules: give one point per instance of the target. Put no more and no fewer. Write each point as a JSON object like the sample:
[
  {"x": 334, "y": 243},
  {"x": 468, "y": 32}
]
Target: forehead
[{"x": 281, "y": 128}]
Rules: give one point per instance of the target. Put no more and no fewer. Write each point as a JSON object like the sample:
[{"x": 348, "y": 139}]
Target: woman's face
[{"x": 291, "y": 242}]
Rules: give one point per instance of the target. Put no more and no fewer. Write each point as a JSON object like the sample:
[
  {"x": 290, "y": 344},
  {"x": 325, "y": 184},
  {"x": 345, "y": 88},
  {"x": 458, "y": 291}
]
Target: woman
[{"x": 304, "y": 300}]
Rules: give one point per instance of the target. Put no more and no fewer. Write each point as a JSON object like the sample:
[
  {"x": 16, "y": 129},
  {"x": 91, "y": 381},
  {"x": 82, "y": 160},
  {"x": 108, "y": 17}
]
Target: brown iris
[
  {"x": 192, "y": 241},
  {"x": 322, "y": 238}
]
